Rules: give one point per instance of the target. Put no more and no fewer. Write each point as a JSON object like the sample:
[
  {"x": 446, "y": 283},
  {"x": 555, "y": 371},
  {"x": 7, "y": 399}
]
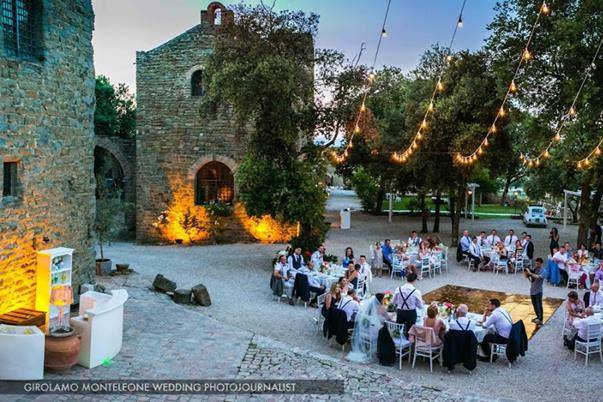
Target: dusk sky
[{"x": 125, "y": 26}]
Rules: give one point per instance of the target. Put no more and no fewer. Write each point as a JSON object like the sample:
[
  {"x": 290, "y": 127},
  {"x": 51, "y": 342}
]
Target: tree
[
  {"x": 115, "y": 113},
  {"x": 563, "y": 47},
  {"x": 263, "y": 67}
]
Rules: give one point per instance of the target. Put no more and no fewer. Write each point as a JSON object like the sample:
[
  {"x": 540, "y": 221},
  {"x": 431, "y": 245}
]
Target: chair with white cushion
[
  {"x": 592, "y": 344},
  {"x": 100, "y": 325},
  {"x": 425, "y": 267}
]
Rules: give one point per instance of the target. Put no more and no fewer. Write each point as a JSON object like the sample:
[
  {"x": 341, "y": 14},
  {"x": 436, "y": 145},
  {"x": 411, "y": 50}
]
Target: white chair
[
  {"x": 402, "y": 344},
  {"x": 436, "y": 265},
  {"x": 573, "y": 278},
  {"x": 444, "y": 261},
  {"x": 501, "y": 265},
  {"x": 319, "y": 319},
  {"x": 592, "y": 344},
  {"x": 425, "y": 267},
  {"x": 100, "y": 325},
  {"x": 518, "y": 264},
  {"x": 397, "y": 268},
  {"x": 360, "y": 287},
  {"x": 423, "y": 345},
  {"x": 499, "y": 349},
  {"x": 21, "y": 353}
]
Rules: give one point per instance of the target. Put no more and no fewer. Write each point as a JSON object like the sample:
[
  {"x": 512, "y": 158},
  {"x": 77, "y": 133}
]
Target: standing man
[
  {"x": 510, "y": 240},
  {"x": 536, "y": 277},
  {"x": 407, "y": 300},
  {"x": 493, "y": 238},
  {"x": 318, "y": 257},
  {"x": 387, "y": 251},
  {"x": 560, "y": 258},
  {"x": 528, "y": 248}
]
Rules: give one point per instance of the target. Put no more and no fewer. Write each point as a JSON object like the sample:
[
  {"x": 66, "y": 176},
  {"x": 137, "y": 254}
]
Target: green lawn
[{"x": 484, "y": 208}]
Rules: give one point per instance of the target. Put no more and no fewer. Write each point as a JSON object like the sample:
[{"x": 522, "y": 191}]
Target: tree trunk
[
  {"x": 436, "y": 219},
  {"x": 379, "y": 207},
  {"x": 100, "y": 243},
  {"x": 424, "y": 213},
  {"x": 505, "y": 193},
  {"x": 586, "y": 209}
]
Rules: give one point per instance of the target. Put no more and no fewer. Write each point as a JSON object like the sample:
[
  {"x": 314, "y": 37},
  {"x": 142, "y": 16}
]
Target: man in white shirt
[
  {"x": 500, "y": 320},
  {"x": 282, "y": 272},
  {"x": 407, "y": 300},
  {"x": 365, "y": 270},
  {"x": 414, "y": 239},
  {"x": 465, "y": 242},
  {"x": 462, "y": 323},
  {"x": 318, "y": 256},
  {"x": 560, "y": 258},
  {"x": 295, "y": 260},
  {"x": 583, "y": 323},
  {"x": 350, "y": 305},
  {"x": 493, "y": 238},
  {"x": 595, "y": 296},
  {"x": 524, "y": 239},
  {"x": 510, "y": 240},
  {"x": 482, "y": 240},
  {"x": 475, "y": 253}
]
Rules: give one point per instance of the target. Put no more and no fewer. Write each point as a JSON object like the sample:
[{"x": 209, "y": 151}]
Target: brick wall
[
  {"x": 46, "y": 124},
  {"x": 174, "y": 139}
]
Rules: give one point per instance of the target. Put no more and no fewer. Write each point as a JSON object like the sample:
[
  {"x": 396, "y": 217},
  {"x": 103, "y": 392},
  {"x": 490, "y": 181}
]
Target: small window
[
  {"x": 214, "y": 183},
  {"x": 197, "y": 83},
  {"x": 21, "y": 26},
  {"x": 9, "y": 188},
  {"x": 218, "y": 17}
]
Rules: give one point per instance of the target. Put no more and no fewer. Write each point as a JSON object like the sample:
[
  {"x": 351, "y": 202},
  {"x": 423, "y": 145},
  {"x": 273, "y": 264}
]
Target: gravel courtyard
[{"x": 237, "y": 277}]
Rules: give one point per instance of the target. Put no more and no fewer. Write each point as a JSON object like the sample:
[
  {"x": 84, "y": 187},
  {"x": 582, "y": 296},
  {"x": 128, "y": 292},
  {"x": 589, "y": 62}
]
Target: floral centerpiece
[
  {"x": 388, "y": 297},
  {"x": 446, "y": 309}
]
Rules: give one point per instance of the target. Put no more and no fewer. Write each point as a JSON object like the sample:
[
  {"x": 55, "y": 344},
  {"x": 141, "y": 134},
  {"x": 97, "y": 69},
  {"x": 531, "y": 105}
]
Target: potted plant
[
  {"x": 110, "y": 212},
  {"x": 62, "y": 345}
]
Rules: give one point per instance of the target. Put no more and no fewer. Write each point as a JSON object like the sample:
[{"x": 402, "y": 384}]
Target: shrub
[{"x": 367, "y": 189}]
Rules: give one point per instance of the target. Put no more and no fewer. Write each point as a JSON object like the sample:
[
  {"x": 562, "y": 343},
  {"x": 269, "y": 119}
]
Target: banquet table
[{"x": 326, "y": 278}]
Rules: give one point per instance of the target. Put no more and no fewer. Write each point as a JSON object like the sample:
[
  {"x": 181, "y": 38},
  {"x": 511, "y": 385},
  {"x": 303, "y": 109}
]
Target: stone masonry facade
[
  {"x": 47, "y": 129},
  {"x": 174, "y": 138}
]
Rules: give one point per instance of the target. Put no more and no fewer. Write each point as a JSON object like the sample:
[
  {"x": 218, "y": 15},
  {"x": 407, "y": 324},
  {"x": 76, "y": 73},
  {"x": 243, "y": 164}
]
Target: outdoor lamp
[{"x": 61, "y": 296}]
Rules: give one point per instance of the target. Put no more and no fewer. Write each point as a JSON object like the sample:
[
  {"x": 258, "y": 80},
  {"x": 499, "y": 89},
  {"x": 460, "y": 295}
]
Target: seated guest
[
  {"x": 438, "y": 243},
  {"x": 465, "y": 243},
  {"x": 350, "y": 305},
  {"x": 352, "y": 275},
  {"x": 524, "y": 239},
  {"x": 599, "y": 273},
  {"x": 313, "y": 283},
  {"x": 581, "y": 255},
  {"x": 344, "y": 285},
  {"x": 348, "y": 257},
  {"x": 281, "y": 272},
  {"x": 296, "y": 260},
  {"x": 424, "y": 251},
  {"x": 365, "y": 270},
  {"x": 387, "y": 250},
  {"x": 318, "y": 256},
  {"x": 582, "y": 324},
  {"x": 431, "y": 321},
  {"x": 414, "y": 239},
  {"x": 517, "y": 255},
  {"x": 431, "y": 244},
  {"x": 498, "y": 318},
  {"x": 510, "y": 240},
  {"x": 568, "y": 249},
  {"x": 594, "y": 298},
  {"x": 475, "y": 254},
  {"x": 576, "y": 269},
  {"x": 493, "y": 238},
  {"x": 574, "y": 308},
  {"x": 377, "y": 258},
  {"x": 462, "y": 323},
  {"x": 331, "y": 299},
  {"x": 597, "y": 251},
  {"x": 560, "y": 258}
]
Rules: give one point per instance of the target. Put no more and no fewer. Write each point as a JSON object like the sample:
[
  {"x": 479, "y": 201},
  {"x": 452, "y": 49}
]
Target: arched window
[
  {"x": 214, "y": 183},
  {"x": 218, "y": 17},
  {"x": 197, "y": 83}
]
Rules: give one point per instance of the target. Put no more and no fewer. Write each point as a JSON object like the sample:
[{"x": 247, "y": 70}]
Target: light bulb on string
[
  {"x": 486, "y": 143},
  {"x": 424, "y": 124},
  {"x": 480, "y": 151},
  {"x": 546, "y": 153},
  {"x": 586, "y": 162},
  {"x": 493, "y": 128},
  {"x": 384, "y": 33},
  {"x": 545, "y": 8},
  {"x": 371, "y": 77},
  {"x": 363, "y": 107},
  {"x": 579, "y": 165},
  {"x": 501, "y": 112},
  {"x": 537, "y": 162},
  {"x": 357, "y": 129},
  {"x": 419, "y": 135},
  {"x": 572, "y": 111},
  {"x": 530, "y": 164},
  {"x": 440, "y": 86},
  {"x": 459, "y": 23},
  {"x": 526, "y": 55},
  {"x": 449, "y": 59},
  {"x": 557, "y": 137},
  {"x": 597, "y": 151},
  {"x": 513, "y": 87},
  {"x": 414, "y": 145},
  {"x": 430, "y": 107}
]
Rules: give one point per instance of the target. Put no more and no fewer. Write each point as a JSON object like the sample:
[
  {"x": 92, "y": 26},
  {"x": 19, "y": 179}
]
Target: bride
[{"x": 369, "y": 320}]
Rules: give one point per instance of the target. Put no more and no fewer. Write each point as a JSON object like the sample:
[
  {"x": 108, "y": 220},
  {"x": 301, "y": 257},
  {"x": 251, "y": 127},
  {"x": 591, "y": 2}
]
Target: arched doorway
[{"x": 214, "y": 183}]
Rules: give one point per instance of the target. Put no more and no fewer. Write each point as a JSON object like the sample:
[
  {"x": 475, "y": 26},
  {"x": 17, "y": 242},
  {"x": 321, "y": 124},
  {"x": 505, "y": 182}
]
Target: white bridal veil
[{"x": 369, "y": 321}]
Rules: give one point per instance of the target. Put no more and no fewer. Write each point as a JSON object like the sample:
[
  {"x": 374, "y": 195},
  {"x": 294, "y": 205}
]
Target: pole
[
  {"x": 473, "y": 205},
  {"x": 391, "y": 207},
  {"x": 564, "y": 209},
  {"x": 466, "y": 201}
]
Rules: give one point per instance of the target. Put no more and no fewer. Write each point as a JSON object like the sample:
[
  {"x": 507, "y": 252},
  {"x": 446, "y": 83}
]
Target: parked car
[{"x": 535, "y": 216}]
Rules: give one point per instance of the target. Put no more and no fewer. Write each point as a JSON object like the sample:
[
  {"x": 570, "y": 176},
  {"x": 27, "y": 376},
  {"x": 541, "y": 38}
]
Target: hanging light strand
[
  {"x": 586, "y": 163},
  {"x": 340, "y": 158},
  {"x": 524, "y": 57},
  {"x": 534, "y": 161},
  {"x": 404, "y": 156}
]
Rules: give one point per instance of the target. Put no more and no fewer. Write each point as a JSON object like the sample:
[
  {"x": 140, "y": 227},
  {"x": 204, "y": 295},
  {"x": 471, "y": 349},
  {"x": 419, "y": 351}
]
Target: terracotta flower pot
[
  {"x": 103, "y": 267},
  {"x": 61, "y": 353}
]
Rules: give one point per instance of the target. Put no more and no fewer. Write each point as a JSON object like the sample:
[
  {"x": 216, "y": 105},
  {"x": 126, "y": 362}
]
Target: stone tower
[
  {"x": 46, "y": 141},
  {"x": 184, "y": 160}
]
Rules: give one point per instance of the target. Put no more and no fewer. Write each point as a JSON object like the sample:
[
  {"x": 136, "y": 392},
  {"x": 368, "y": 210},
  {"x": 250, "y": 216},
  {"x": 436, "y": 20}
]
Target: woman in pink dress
[{"x": 431, "y": 321}]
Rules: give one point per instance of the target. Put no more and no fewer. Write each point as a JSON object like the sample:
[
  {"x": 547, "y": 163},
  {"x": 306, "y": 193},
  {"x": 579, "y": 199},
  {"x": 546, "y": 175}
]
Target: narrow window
[
  {"x": 218, "y": 17},
  {"x": 197, "y": 83},
  {"x": 9, "y": 188},
  {"x": 21, "y": 25}
]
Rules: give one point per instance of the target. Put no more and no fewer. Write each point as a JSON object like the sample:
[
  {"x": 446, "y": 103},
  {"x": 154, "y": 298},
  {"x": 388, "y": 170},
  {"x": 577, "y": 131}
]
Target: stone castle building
[
  {"x": 184, "y": 159},
  {"x": 46, "y": 140}
]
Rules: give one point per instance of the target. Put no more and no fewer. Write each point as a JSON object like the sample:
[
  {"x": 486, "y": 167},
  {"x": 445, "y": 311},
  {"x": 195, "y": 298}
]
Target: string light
[
  {"x": 571, "y": 113},
  {"x": 596, "y": 152},
  {"x": 404, "y": 156},
  {"x": 371, "y": 78},
  {"x": 545, "y": 8},
  {"x": 525, "y": 56}
]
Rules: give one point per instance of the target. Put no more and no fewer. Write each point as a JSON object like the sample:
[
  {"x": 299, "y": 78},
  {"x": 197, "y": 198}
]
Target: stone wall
[
  {"x": 46, "y": 125},
  {"x": 174, "y": 139}
]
